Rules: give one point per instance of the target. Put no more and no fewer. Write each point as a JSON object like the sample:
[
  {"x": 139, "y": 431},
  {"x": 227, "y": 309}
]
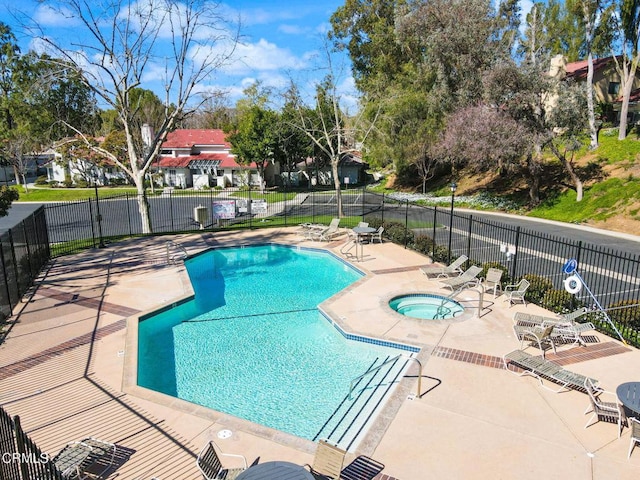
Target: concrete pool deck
[{"x": 66, "y": 348}]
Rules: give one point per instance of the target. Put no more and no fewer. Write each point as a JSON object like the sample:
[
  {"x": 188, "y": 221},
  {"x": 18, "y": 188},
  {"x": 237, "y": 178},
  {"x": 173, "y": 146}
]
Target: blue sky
[{"x": 281, "y": 40}]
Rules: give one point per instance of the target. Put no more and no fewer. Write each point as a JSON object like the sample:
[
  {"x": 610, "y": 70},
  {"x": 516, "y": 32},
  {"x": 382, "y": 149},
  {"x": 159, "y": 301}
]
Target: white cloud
[
  {"x": 292, "y": 29},
  {"x": 263, "y": 56},
  {"x": 48, "y": 16}
]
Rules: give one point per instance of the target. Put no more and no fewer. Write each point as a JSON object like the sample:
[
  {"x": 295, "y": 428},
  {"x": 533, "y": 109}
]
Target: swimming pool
[
  {"x": 252, "y": 342},
  {"x": 426, "y": 306}
]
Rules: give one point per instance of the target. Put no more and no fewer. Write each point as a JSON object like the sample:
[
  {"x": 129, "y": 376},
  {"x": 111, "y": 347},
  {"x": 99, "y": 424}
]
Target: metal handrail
[
  {"x": 375, "y": 369},
  {"x": 171, "y": 244}
]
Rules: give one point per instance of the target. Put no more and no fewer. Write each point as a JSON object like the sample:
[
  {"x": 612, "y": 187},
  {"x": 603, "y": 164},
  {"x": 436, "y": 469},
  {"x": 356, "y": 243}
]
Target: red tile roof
[
  {"x": 580, "y": 69},
  {"x": 188, "y": 138}
]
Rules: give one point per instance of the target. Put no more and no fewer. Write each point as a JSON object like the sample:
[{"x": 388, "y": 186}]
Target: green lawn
[{"x": 600, "y": 201}]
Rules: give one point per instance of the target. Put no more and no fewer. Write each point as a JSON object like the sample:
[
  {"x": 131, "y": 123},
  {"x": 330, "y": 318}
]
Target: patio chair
[
  {"x": 523, "y": 318},
  {"x": 455, "y": 268},
  {"x": 211, "y": 467},
  {"x": 515, "y": 293},
  {"x": 327, "y": 462},
  {"x": 377, "y": 235},
  {"x": 635, "y": 433},
  {"x": 492, "y": 281},
  {"x": 467, "y": 279},
  {"x": 85, "y": 458},
  {"x": 604, "y": 411},
  {"x": 539, "y": 335}
]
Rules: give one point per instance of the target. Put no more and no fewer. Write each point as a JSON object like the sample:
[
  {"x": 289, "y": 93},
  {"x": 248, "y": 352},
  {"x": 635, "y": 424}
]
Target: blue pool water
[
  {"x": 426, "y": 306},
  {"x": 252, "y": 343}
]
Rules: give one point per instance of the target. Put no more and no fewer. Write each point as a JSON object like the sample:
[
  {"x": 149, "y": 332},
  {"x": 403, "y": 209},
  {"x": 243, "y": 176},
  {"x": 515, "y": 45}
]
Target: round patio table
[
  {"x": 361, "y": 233},
  {"x": 276, "y": 471},
  {"x": 629, "y": 395}
]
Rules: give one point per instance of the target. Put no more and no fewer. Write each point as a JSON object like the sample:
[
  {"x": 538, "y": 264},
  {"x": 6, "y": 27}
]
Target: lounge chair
[
  {"x": 466, "y": 279},
  {"x": 515, "y": 293},
  {"x": 455, "y": 268},
  {"x": 604, "y": 411},
  {"x": 538, "y": 334},
  {"x": 540, "y": 368},
  {"x": 522, "y": 318},
  {"x": 327, "y": 233},
  {"x": 211, "y": 467},
  {"x": 634, "y": 424},
  {"x": 327, "y": 462},
  {"x": 565, "y": 330},
  {"x": 492, "y": 281},
  {"x": 85, "y": 458},
  {"x": 362, "y": 468}
]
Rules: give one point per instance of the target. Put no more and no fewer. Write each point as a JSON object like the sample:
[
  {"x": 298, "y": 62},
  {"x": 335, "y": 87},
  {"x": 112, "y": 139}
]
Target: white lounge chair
[
  {"x": 468, "y": 278},
  {"x": 455, "y": 268},
  {"x": 538, "y": 334},
  {"x": 326, "y": 234}
]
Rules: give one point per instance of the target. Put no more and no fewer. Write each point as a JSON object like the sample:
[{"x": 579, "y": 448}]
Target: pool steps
[{"x": 349, "y": 422}]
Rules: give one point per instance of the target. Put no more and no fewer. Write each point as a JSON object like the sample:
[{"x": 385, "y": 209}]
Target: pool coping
[{"x": 377, "y": 424}]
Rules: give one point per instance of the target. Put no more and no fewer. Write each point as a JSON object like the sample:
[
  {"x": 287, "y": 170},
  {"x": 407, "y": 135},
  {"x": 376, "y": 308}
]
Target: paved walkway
[{"x": 62, "y": 372}]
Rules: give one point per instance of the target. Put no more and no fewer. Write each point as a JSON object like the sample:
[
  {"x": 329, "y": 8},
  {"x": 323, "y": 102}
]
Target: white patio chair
[
  {"x": 515, "y": 293},
  {"x": 492, "y": 281},
  {"x": 604, "y": 411}
]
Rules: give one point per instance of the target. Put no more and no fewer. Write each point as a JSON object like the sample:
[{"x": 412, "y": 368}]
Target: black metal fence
[
  {"x": 24, "y": 249},
  {"x": 442, "y": 233},
  {"x": 20, "y": 457}
]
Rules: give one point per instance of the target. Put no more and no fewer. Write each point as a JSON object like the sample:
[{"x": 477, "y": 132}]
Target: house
[
  {"x": 79, "y": 171},
  {"x": 606, "y": 83},
  {"x": 203, "y": 158},
  {"x": 351, "y": 171}
]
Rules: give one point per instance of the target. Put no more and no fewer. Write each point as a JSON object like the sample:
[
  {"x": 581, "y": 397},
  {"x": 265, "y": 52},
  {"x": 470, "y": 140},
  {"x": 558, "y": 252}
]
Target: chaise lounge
[
  {"x": 455, "y": 268},
  {"x": 540, "y": 368}
]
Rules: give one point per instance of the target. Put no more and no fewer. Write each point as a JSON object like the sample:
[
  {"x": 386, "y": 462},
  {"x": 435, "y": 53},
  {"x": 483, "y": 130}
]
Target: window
[{"x": 614, "y": 88}]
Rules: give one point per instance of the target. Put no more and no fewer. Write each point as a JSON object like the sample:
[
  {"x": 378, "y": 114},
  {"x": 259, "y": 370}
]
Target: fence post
[
  {"x": 250, "y": 209},
  {"x": 21, "y": 448},
  {"x": 129, "y": 213},
  {"x": 364, "y": 191},
  {"x": 6, "y": 280},
  {"x": 514, "y": 260},
  {"x": 32, "y": 275},
  {"x": 16, "y": 269},
  {"x": 93, "y": 231},
  {"x": 435, "y": 213},
  {"x": 382, "y": 216},
  {"x": 469, "y": 236},
  {"x": 406, "y": 224}
]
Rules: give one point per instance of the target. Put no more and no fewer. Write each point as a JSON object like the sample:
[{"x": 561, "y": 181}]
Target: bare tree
[{"x": 120, "y": 43}]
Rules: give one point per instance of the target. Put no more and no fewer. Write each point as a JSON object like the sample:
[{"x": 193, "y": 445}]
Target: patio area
[{"x": 65, "y": 357}]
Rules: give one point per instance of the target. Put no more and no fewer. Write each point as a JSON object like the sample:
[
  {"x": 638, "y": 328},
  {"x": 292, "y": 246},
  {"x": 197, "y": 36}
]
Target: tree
[
  {"x": 39, "y": 99},
  {"x": 623, "y": 20},
  {"x": 589, "y": 11},
  {"x": 253, "y": 136},
  {"x": 122, "y": 43}
]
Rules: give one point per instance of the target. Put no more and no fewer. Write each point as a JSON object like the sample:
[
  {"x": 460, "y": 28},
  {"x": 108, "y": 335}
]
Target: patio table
[
  {"x": 276, "y": 471},
  {"x": 361, "y": 234},
  {"x": 629, "y": 395}
]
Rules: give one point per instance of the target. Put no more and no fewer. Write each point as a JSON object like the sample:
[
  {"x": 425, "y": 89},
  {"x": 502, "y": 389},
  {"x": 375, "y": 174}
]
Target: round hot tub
[{"x": 426, "y": 306}]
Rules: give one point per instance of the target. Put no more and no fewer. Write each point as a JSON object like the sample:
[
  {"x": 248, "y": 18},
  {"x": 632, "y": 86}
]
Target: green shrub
[
  {"x": 557, "y": 301},
  {"x": 397, "y": 233},
  {"x": 539, "y": 286},
  {"x": 626, "y": 312},
  {"x": 41, "y": 180},
  {"x": 423, "y": 244}
]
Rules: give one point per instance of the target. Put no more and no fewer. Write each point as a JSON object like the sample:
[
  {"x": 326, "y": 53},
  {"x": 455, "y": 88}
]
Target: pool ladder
[{"x": 176, "y": 253}]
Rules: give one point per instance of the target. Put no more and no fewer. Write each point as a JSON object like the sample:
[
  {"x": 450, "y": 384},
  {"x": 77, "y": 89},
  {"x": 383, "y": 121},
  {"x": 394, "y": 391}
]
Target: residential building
[{"x": 203, "y": 158}]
